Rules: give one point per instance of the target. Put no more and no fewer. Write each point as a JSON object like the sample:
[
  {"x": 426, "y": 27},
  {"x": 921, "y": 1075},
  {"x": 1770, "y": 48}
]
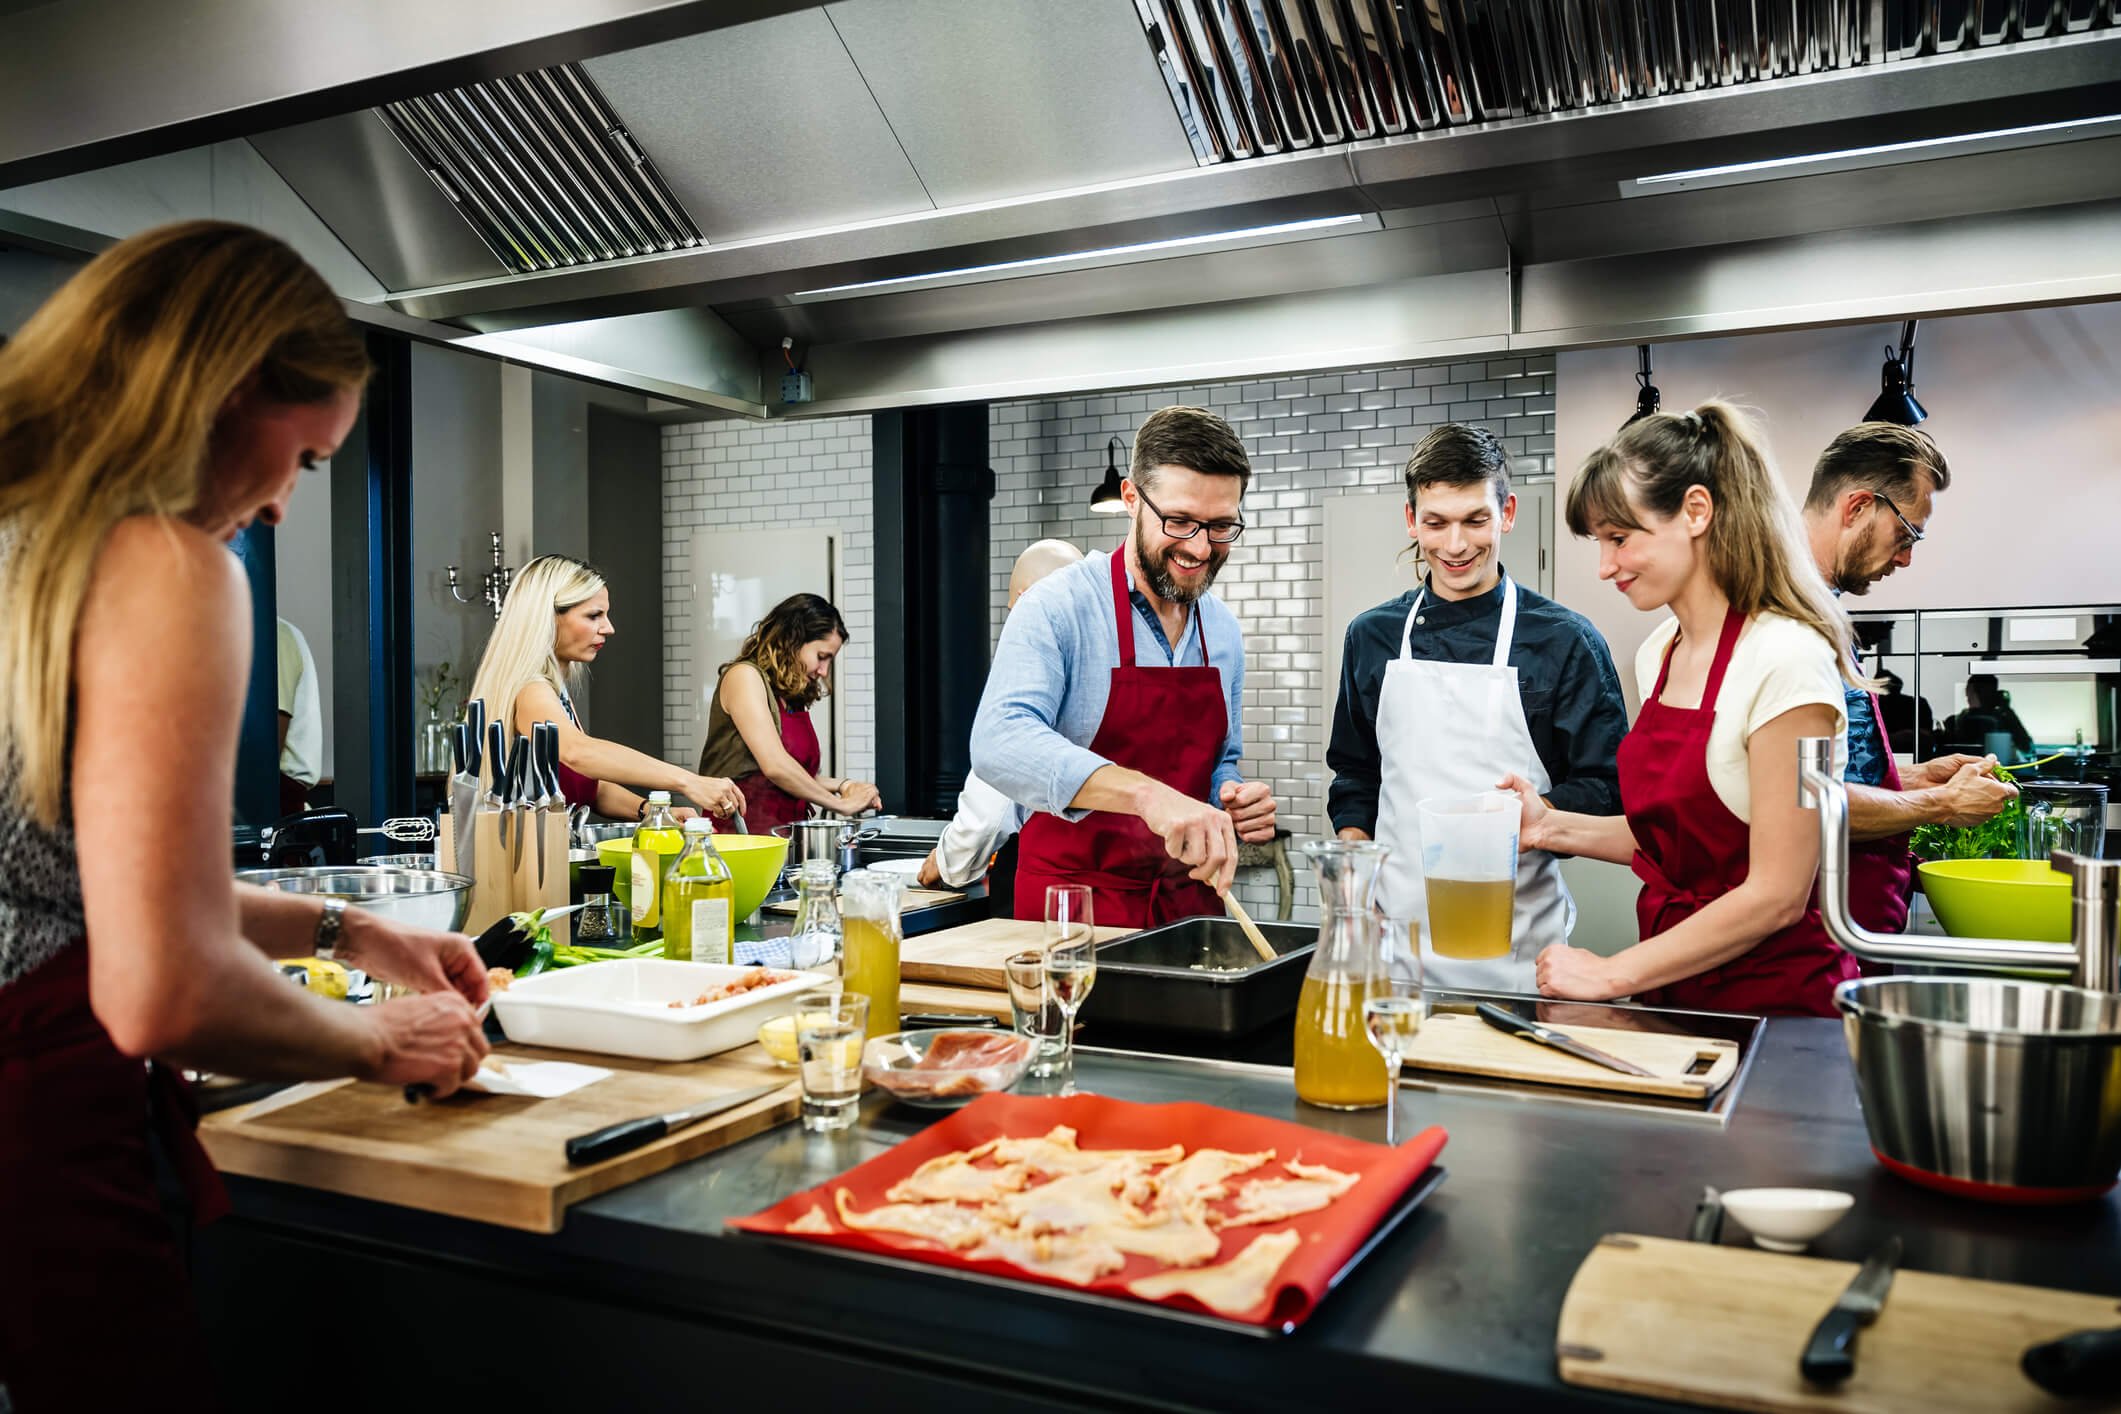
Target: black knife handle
[
  {"x": 2085, "y": 1363},
  {"x": 1506, "y": 1021},
  {"x": 1707, "y": 1225},
  {"x": 1831, "y": 1357},
  {"x": 615, "y": 1139}
]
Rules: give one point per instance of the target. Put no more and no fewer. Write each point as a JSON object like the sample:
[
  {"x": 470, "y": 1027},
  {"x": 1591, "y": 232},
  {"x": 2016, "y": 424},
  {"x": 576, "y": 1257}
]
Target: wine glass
[
  {"x": 1392, "y": 1013},
  {"x": 1071, "y": 960}
]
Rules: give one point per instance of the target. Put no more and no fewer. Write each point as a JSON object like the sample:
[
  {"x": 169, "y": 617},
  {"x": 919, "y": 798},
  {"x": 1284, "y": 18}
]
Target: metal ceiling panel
[
  {"x": 764, "y": 128},
  {"x": 1000, "y": 98},
  {"x": 364, "y": 185}
]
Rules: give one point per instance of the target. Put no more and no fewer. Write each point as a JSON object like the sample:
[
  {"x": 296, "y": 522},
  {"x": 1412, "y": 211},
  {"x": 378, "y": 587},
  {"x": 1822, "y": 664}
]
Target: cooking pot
[{"x": 1989, "y": 1088}]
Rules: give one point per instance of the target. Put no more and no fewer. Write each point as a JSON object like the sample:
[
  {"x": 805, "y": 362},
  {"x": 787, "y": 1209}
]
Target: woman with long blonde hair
[
  {"x": 1689, "y": 517},
  {"x": 165, "y": 398},
  {"x": 758, "y": 724},
  {"x": 554, "y": 622}
]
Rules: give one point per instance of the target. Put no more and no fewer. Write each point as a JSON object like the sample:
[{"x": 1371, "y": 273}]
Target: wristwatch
[{"x": 330, "y": 924}]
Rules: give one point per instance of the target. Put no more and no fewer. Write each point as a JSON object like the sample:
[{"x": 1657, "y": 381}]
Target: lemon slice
[{"x": 777, "y": 1039}]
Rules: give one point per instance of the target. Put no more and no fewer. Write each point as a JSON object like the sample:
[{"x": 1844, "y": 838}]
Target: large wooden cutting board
[
  {"x": 1725, "y": 1326},
  {"x": 492, "y": 1158},
  {"x": 911, "y": 901},
  {"x": 1684, "y": 1067},
  {"x": 972, "y": 956}
]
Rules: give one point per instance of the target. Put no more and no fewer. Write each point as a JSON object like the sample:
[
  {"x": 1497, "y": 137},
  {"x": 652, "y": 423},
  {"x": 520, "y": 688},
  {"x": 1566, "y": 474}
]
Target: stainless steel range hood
[{"x": 1481, "y": 146}]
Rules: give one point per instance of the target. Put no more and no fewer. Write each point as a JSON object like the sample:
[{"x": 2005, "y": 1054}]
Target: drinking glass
[
  {"x": 1071, "y": 970},
  {"x": 1068, "y": 913},
  {"x": 1392, "y": 1014},
  {"x": 1038, "y": 1013},
  {"x": 829, "y": 1028}
]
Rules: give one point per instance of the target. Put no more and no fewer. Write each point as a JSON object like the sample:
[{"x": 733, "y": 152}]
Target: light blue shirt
[{"x": 1052, "y": 674}]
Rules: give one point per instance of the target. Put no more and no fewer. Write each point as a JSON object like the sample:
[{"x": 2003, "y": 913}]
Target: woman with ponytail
[{"x": 1689, "y": 517}]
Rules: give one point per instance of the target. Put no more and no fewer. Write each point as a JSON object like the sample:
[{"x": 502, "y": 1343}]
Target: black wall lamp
[
  {"x": 1647, "y": 398},
  {"x": 1106, "y": 498},
  {"x": 1896, "y": 381}
]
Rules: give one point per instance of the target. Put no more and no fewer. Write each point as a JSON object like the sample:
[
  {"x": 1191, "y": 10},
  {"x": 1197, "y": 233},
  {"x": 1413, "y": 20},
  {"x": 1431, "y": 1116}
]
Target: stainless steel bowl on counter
[
  {"x": 428, "y": 898},
  {"x": 1987, "y": 1087}
]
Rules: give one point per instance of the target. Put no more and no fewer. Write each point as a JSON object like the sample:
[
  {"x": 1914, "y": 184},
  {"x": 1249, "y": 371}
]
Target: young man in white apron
[{"x": 1448, "y": 688}]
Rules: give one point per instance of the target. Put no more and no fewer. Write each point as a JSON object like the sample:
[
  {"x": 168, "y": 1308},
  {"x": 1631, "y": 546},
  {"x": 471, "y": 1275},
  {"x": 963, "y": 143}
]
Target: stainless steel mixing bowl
[
  {"x": 428, "y": 898},
  {"x": 1989, "y": 1087}
]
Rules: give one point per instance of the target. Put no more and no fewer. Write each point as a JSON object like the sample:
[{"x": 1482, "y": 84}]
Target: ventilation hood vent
[
  {"x": 1251, "y": 78},
  {"x": 543, "y": 170}
]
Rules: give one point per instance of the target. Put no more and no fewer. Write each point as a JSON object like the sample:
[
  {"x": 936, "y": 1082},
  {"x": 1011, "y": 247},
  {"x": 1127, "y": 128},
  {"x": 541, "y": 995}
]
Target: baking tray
[
  {"x": 1200, "y": 976},
  {"x": 1386, "y": 1225}
]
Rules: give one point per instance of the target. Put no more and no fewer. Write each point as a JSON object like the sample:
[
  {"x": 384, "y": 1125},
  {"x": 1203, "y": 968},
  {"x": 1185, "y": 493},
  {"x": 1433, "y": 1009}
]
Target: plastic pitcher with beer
[
  {"x": 1469, "y": 859},
  {"x": 869, "y": 923}
]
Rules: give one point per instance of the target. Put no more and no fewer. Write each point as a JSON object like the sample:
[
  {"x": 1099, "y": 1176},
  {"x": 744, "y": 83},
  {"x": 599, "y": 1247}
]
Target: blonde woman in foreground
[
  {"x": 1689, "y": 517},
  {"x": 554, "y": 622},
  {"x": 166, "y": 397}
]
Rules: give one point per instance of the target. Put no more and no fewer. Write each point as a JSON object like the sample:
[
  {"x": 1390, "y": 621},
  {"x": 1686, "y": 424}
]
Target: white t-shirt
[
  {"x": 302, "y": 759},
  {"x": 1778, "y": 664}
]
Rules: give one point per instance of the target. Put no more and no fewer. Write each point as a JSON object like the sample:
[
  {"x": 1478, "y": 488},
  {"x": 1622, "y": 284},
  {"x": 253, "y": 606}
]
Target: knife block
[
  {"x": 541, "y": 880},
  {"x": 492, "y": 873}
]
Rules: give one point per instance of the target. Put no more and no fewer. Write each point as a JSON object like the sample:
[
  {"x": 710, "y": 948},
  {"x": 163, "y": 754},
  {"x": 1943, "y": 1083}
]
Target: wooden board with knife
[
  {"x": 1731, "y": 1327},
  {"x": 494, "y": 1158},
  {"x": 973, "y": 955},
  {"x": 1501, "y": 1046}
]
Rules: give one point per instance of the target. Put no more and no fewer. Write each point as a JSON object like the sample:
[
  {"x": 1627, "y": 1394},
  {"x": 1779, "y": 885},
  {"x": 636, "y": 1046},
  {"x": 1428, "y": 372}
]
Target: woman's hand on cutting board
[
  {"x": 433, "y": 1040},
  {"x": 1577, "y": 974},
  {"x": 424, "y": 959}
]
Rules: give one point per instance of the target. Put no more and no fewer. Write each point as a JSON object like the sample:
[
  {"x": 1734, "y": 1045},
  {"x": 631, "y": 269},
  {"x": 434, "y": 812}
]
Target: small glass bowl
[{"x": 910, "y": 1065}]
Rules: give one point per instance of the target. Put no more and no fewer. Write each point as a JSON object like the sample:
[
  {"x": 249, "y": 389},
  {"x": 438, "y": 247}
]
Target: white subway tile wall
[
  {"x": 771, "y": 476},
  {"x": 1309, "y": 438}
]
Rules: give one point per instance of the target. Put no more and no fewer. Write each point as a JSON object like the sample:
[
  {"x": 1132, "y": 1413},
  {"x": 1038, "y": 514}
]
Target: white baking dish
[{"x": 622, "y": 1008}]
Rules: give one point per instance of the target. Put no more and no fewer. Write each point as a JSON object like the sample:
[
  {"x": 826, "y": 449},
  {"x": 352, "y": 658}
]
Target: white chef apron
[{"x": 1454, "y": 729}]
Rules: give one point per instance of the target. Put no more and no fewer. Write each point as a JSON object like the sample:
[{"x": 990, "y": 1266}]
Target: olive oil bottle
[
  {"x": 699, "y": 902},
  {"x": 656, "y": 845}
]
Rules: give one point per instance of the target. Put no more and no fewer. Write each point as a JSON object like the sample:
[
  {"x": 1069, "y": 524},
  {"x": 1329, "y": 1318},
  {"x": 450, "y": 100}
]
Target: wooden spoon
[{"x": 1258, "y": 939}]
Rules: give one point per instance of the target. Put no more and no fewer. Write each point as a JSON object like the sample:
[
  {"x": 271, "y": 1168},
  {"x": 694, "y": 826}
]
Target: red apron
[
  {"x": 1882, "y": 872},
  {"x": 1167, "y": 723},
  {"x": 578, "y": 788},
  {"x": 766, "y": 805},
  {"x": 1692, "y": 849},
  {"x": 95, "y": 1308}
]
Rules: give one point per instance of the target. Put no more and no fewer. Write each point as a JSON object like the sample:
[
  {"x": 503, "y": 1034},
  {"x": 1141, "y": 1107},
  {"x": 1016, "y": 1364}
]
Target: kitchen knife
[
  {"x": 1831, "y": 1355},
  {"x": 628, "y": 1135},
  {"x": 1516, "y": 1025},
  {"x": 542, "y": 793},
  {"x": 496, "y": 760},
  {"x": 475, "y": 718},
  {"x": 2086, "y": 1363},
  {"x": 1707, "y": 1225}
]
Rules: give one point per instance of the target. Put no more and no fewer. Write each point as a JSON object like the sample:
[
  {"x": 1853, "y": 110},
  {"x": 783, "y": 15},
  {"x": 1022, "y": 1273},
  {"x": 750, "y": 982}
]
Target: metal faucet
[{"x": 2095, "y": 900}]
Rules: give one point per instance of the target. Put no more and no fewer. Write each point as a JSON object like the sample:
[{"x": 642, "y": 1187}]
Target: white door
[{"x": 737, "y": 575}]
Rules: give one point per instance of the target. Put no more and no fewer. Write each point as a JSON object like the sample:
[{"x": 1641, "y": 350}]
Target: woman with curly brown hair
[{"x": 759, "y": 732}]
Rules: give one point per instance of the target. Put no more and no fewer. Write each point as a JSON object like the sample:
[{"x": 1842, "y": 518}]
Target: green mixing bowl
[
  {"x": 754, "y": 863},
  {"x": 1998, "y": 898}
]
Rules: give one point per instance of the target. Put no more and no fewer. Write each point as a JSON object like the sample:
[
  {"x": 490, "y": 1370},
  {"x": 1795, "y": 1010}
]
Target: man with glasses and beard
[
  {"x": 1114, "y": 704},
  {"x": 1869, "y": 506}
]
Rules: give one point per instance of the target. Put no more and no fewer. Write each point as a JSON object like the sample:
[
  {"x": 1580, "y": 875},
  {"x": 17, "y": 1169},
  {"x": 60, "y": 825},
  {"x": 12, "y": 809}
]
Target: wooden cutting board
[
  {"x": 492, "y": 1158},
  {"x": 924, "y": 996},
  {"x": 1725, "y": 1326},
  {"x": 973, "y": 955},
  {"x": 1684, "y": 1067},
  {"x": 911, "y": 901}
]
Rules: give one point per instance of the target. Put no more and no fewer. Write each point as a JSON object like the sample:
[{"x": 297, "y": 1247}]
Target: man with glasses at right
[
  {"x": 1869, "y": 506},
  {"x": 1114, "y": 706}
]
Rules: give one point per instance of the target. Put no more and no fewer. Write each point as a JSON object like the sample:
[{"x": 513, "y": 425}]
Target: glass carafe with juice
[
  {"x": 816, "y": 941},
  {"x": 699, "y": 901},
  {"x": 1336, "y": 1066},
  {"x": 656, "y": 846},
  {"x": 869, "y": 923},
  {"x": 1469, "y": 860}
]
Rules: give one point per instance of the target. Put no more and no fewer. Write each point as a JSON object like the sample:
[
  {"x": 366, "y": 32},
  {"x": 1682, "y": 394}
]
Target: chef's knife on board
[
  {"x": 1830, "y": 1357},
  {"x": 628, "y": 1135},
  {"x": 1516, "y": 1025}
]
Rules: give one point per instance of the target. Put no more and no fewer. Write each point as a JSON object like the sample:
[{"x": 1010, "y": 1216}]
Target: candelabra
[{"x": 493, "y": 585}]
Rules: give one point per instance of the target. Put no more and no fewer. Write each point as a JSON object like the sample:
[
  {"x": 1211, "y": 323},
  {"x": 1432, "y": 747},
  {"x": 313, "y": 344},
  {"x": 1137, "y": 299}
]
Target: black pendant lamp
[
  {"x": 1896, "y": 392},
  {"x": 1647, "y": 398},
  {"x": 1106, "y": 498}
]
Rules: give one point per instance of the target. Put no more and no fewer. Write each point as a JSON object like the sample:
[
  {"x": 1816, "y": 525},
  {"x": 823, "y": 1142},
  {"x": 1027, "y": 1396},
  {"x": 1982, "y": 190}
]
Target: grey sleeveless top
[{"x": 40, "y": 879}]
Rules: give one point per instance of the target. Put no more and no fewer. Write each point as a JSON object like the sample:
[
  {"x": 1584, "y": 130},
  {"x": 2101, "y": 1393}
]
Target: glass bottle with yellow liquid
[
  {"x": 1336, "y": 1066},
  {"x": 869, "y": 929},
  {"x": 699, "y": 901},
  {"x": 656, "y": 846}
]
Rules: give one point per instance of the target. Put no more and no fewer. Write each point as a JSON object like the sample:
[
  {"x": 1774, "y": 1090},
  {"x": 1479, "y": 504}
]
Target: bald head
[{"x": 1039, "y": 560}]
